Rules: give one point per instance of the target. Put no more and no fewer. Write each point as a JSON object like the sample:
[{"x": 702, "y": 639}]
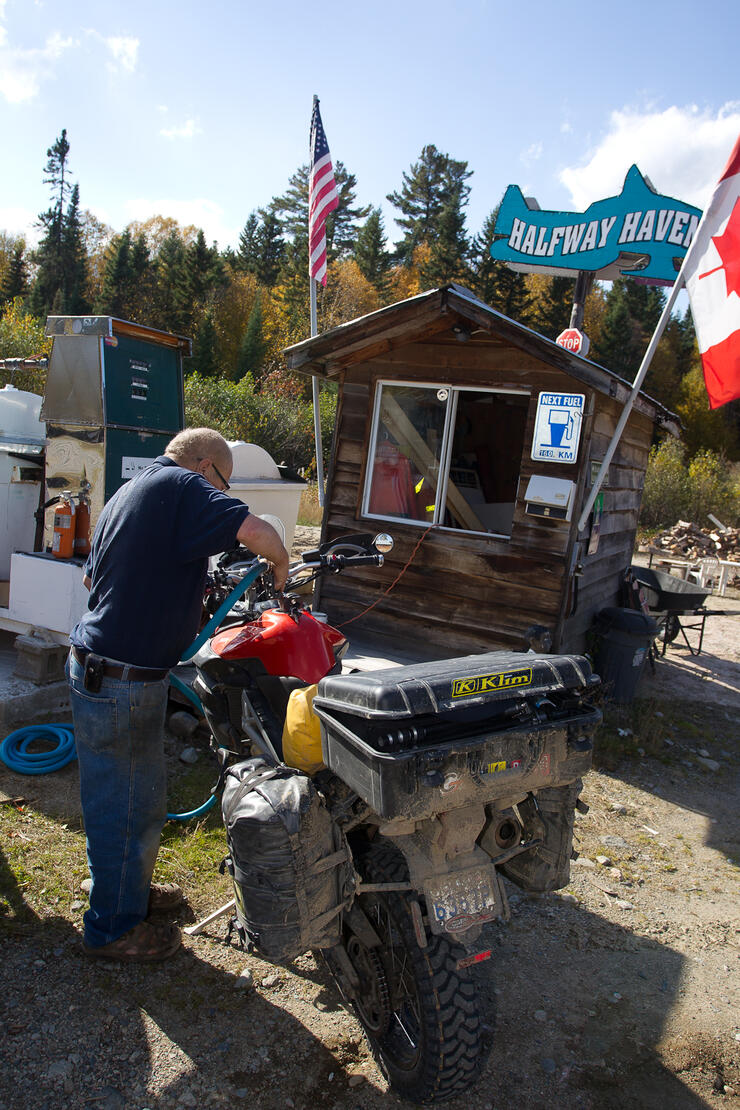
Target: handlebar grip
[{"x": 340, "y": 561}]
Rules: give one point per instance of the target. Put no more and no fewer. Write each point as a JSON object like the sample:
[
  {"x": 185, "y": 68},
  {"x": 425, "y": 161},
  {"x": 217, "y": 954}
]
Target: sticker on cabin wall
[
  {"x": 131, "y": 465},
  {"x": 468, "y": 687},
  {"x": 557, "y": 427}
]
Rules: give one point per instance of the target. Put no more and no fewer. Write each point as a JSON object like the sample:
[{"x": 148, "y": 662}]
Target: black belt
[{"x": 117, "y": 670}]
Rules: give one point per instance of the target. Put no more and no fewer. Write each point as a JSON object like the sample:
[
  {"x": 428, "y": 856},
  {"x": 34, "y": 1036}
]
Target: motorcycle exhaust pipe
[{"x": 507, "y": 832}]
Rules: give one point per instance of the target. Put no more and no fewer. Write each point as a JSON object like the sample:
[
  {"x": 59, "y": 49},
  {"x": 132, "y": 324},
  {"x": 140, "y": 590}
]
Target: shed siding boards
[{"x": 468, "y": 592}]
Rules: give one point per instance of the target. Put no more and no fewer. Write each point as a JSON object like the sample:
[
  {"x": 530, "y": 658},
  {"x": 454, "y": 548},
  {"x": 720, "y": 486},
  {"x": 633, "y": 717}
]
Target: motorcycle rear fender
[{"x": 442, "y": 848}]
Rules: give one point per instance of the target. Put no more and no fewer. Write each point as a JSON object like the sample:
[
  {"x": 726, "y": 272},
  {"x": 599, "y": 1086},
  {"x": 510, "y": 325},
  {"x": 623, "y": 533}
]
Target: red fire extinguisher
[
  {"x": 63, "y": 543},
  {"x": 82, "y": 521}
]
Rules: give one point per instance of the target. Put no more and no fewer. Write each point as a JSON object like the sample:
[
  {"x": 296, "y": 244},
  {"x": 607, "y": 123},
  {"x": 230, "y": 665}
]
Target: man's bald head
[{"x": 191, "y": 447}]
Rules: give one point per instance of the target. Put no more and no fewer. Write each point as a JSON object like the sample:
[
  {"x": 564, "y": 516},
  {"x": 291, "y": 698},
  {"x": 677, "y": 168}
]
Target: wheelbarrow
[{"x": 673, "y": 602}]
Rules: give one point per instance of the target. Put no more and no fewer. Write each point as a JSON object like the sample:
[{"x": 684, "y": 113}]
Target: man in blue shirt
[{"x": 146, "y": 574}]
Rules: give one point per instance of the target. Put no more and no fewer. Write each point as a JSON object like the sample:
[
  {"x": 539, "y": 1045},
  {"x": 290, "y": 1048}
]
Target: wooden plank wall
[
  {"x": 461, "y": 593},
  {"x": 599, "y": 585}
]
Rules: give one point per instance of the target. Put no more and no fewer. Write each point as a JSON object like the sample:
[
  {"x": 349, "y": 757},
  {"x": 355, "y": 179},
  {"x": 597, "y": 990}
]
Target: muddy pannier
[{"x": 286, "y": 858}]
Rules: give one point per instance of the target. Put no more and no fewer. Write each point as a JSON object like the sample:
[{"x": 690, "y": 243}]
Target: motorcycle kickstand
[{"x": 193, "y": 930}]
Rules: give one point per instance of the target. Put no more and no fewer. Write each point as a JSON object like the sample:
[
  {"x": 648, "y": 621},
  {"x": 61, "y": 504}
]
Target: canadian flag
[{"x": 712, "y": 276}]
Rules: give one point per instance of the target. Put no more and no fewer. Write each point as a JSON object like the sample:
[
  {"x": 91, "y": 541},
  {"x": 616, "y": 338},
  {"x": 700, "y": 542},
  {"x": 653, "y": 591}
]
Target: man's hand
[{"x": 261, "y": 538}]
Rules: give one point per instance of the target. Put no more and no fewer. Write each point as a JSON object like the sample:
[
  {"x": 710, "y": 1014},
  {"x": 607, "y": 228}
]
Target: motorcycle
[{"x": 381, "y": 843}]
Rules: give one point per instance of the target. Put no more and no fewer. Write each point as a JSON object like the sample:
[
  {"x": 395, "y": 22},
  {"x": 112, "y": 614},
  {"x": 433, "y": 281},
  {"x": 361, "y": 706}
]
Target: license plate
[{"x": 460, "y": 901}]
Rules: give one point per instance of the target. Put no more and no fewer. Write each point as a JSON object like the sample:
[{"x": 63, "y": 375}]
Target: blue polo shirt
[{"x": 148, "y": 564}]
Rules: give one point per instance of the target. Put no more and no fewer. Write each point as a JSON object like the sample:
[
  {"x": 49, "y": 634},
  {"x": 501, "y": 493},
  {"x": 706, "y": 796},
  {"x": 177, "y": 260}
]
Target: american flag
[{"x": 323, "y": 197}]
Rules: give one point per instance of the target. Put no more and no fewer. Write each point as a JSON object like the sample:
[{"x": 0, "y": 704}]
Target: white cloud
[
  {"x": 20, "y": 221},
  {"x": 187, "y": 130},
  {"x": 682, "y": 150},
  {"x": 124, "y": 50},
  {"x": 531, "y": 154},
  {"x": 200, "y": 212},
  {"x": 22, "y": 71}
]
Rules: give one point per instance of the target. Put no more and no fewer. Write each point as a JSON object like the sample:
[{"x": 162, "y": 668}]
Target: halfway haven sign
[{"x": 639, "y": 233}]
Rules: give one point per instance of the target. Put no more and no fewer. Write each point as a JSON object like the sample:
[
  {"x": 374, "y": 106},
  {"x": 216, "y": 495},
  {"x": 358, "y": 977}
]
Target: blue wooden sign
[{"x": 640, "y": 233}]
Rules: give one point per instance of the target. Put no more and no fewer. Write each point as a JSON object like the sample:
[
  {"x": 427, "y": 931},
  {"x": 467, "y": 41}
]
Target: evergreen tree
[
  {"x": 169, "y": 276},
  {"x": 370, "y": 251},
  {"x": 117, "y": 278},
  {"x": 550, "y": 313},
  {"x": 493, "y": 281},
  {"x": 246, "y": 257},
  {"x": 291, "y": 211},
  {"x": 204, "y": 358},
  {"x": 197, "y": 281},
  {"x": 449, "y": 249},
  {"x": 434, "y": 185},
  {"x": 253, "y": 346},
  {"x": 48, "y": 290},
  {"x": 74, "y": 259},
  {"x": 270, "y": 248},
  {"x": 15, "y": 281}
]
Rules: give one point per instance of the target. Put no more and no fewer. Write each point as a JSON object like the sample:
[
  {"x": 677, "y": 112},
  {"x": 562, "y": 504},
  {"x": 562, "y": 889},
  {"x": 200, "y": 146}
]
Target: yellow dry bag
[{"x": 302, "y": 732}]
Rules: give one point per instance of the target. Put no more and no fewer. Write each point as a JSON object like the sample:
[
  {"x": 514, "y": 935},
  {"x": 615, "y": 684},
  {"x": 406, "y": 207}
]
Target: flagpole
[
  {"x": 315, "y": 395},
  {"x": 314, "y": 379},
  {"x": 639, "y": 379}
]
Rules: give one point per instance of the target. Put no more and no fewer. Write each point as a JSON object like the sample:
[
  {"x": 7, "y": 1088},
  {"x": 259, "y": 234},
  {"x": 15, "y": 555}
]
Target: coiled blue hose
[
  {"x": 14, "y": 748},
  {"x": 15, "y": 754}
]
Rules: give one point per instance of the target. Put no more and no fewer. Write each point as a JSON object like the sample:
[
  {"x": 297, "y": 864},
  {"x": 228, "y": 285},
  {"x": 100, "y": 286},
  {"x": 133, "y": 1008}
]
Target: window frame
[{"x": 444, "y": 454}]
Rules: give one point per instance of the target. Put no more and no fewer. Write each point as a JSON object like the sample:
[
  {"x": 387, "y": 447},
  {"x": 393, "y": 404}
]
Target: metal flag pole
[
  {"x": 315, "y": 395},
  {"x": 314, "y": 379},
  {"x": 639, "y": 379}
]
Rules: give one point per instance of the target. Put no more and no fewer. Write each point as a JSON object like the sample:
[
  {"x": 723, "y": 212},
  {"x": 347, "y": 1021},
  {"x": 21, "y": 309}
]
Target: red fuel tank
[{"x": 301, "y": 649}]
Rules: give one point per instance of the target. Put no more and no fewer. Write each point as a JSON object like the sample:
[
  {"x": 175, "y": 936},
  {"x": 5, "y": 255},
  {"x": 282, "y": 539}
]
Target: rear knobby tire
[{"x": 432, "y": 1048}]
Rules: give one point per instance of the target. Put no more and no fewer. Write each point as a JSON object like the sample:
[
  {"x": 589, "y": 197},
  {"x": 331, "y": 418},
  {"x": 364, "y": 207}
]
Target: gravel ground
[{"x": 621, "y": 991}]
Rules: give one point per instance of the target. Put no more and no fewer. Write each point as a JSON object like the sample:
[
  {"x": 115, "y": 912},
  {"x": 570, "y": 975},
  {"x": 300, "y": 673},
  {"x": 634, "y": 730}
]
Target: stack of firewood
[{"x": 687, "y": 541}]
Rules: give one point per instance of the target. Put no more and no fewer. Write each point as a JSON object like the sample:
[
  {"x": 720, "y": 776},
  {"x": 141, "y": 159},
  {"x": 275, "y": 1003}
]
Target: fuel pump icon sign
[
  {"x": 561, "y": 427},
  {"x": 557, "y": 427}
]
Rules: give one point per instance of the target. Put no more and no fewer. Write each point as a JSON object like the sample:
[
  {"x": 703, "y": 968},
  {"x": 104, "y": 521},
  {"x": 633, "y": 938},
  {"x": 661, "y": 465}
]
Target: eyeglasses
[{"x": 224, "y": 483}]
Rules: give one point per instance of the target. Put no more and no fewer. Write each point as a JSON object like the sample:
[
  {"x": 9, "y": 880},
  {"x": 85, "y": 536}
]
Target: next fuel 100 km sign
[{"x": 557, "y": 427}]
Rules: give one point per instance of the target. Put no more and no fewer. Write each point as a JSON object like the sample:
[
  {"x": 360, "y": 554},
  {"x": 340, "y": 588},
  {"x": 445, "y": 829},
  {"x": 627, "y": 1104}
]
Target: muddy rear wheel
[{"x": 428, "y": 1039}]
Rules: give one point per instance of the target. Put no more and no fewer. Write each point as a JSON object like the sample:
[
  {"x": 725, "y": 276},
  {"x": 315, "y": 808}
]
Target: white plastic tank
[
  {"x": 21, "y": 432},
  {"x": 256, "y": 481}
]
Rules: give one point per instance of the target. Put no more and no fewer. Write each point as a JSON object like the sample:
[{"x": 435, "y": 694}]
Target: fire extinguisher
[
  {"x": 82, "y": 521},
  {"x": 63, "y": 544}
]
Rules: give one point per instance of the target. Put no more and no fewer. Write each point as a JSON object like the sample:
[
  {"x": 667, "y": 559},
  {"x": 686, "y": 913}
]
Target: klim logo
[{"x": 468, "y": 687}]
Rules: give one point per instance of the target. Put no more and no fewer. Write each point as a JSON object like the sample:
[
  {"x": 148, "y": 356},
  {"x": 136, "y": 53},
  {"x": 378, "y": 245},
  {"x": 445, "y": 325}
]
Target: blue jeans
[{"x": 120, "y": 749}]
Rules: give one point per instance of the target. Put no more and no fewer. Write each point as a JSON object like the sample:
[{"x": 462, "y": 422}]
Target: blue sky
[{"x": 201, "y": 111}]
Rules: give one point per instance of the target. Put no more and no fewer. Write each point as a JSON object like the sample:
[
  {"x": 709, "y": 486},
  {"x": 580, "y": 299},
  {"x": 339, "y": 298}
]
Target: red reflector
[{"x": 478, "y": 958}]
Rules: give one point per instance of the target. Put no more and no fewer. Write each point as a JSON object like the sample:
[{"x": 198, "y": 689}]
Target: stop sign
[{"x": 574, "y": 340}]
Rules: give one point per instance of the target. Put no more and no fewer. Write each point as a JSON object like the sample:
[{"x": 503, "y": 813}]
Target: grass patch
[
  {"x": 310, "y": 513},
  {"x": 652, "y": 727}
]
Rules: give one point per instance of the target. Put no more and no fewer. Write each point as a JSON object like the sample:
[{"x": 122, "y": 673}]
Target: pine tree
[
  {"x": 169, "y": 276},
  {"x": 74, "y": 259},
  {"x": 204, "y": 358},
  {"x": 15, "y": 281},
  {"x": 433, "y": 185},
  {"x": 48, "y": 289},
  {"x": 449, "y": 251},
  {"x": 370, "y": 252},
  {"x": 617, "y": 347},
  {"x": 550, "y": 313},
  {"x": 291, "y": 210},
  {"x": 253, "y": 346},
  {"x": 117, "y": 278},
  {"x": 493, "y": 281},
  {"x": 246, "y": 257}
]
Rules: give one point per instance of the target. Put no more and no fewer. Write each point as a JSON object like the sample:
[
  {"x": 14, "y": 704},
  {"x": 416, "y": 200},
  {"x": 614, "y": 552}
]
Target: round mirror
[{"x": 383, "y": 543}]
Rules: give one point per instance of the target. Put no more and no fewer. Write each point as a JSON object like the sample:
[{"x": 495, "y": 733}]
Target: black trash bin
[{"x": 622, "y": 642}]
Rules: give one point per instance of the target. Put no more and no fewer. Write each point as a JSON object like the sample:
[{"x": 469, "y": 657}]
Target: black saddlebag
[
  {"x": 420, "y": 740},
  {"x": 286, "y": 857}
]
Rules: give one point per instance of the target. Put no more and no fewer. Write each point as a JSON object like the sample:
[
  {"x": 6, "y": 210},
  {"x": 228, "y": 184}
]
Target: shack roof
[{"x": 448, "y": 308}]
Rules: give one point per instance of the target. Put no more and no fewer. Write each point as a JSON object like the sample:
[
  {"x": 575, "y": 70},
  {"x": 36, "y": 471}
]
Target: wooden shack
[{"x": 439, "y": 400}]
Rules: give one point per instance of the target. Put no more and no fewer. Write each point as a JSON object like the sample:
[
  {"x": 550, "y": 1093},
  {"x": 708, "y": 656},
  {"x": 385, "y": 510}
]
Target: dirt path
[{"x": 621, "y": 991}]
